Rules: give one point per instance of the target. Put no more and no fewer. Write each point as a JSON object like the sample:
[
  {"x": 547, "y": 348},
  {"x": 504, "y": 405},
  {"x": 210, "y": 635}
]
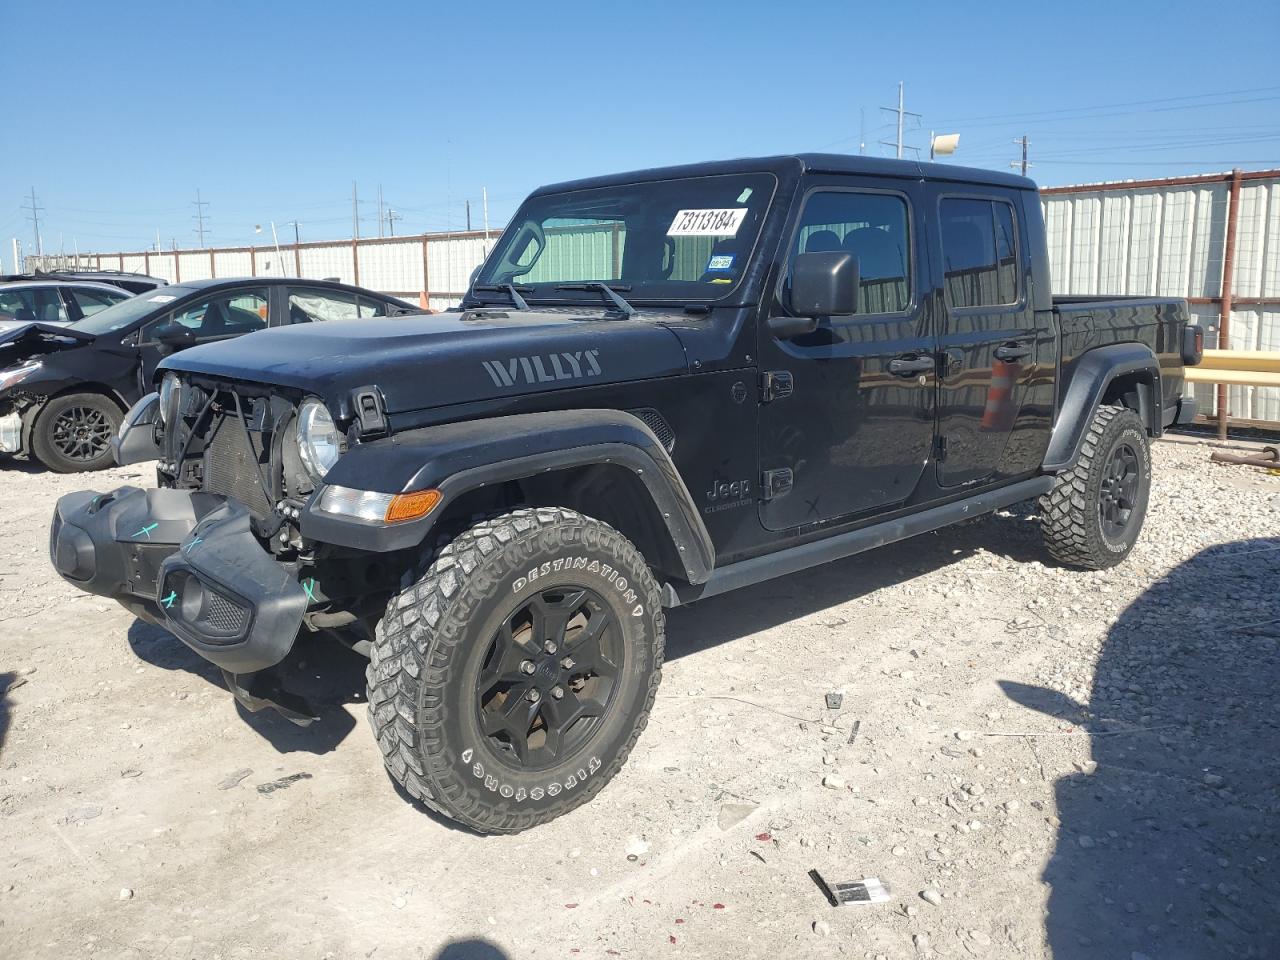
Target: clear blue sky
[{"x": 117, "y": 113}]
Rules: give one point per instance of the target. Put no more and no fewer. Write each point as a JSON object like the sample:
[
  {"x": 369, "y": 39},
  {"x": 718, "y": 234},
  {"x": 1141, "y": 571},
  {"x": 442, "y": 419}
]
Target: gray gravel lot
[{"x": 1046, "y": 763}]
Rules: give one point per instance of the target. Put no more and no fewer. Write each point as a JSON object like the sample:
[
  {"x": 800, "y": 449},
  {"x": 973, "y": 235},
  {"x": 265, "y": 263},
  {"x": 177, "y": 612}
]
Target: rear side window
[
  {"x": 979, "y": 252},
  {"x": 871, "y": 226},
  {"x": 91, "y": 301},
  {"x": 310, "y": 306},
  {"x": 17, "y": 305}
]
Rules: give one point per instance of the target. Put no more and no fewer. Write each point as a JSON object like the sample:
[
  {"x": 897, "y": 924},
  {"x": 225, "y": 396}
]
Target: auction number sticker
[{"x": 707, "y": 223}]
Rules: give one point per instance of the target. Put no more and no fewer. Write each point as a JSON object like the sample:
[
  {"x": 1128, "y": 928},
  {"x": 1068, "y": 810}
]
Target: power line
[
  {"x": 1126, "y": 103},
  {"x": 35, "y": 221},
  {"x": 199, "y": 217}
]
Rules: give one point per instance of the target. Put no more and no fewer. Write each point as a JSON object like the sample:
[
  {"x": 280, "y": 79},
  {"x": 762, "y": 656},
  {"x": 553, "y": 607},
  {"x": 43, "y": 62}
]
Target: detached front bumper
[{"x": 187, "y": 561}]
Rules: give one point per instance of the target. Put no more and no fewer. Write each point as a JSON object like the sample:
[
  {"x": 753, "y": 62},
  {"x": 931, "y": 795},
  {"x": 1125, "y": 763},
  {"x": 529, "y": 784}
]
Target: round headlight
[
  {"x": 170, "y": 397},
  {"x": 319, "y": 442}
]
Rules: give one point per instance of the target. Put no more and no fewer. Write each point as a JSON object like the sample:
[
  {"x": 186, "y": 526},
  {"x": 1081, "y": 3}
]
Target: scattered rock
[
  {"x": 930, "y": 895},
  {"x": 731, "y": 814},
  {"x": 1213, "y": 780},
  {"x": 964, "y": 734},
  {"x": 822, "y": 928},
  {"x": 1087, "y": 767},
  {"x": 1085, "y": 841},
  {"x": 832, "y": 782},
  {"x": 636, "y": 847},
  {"x": 130, "y": 773},
  {"x": 124, "y": 894}
]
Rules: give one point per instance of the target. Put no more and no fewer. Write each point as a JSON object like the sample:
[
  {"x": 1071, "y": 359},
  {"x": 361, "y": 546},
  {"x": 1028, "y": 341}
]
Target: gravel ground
[{"x": 1037, "y": 762}]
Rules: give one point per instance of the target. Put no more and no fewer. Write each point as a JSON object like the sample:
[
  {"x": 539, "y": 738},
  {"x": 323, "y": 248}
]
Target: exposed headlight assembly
[
  {"x": 15, "y": 375},
  {"x": 319, "y": 441},
  {"x": 170, "y": 398}
]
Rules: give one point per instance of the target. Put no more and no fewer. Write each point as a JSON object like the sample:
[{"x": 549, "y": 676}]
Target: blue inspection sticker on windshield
[{"x": 721, "y": 261}]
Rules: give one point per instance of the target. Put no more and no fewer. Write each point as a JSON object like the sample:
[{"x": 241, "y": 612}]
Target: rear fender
[
  {"x": 535, "y": 449},
  {"x": 1128, "y": 373}
]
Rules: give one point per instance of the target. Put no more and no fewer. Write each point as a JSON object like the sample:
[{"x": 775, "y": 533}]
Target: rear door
[
  {"x": 989, "y": 342},
  {"x": 856, "y": 429}
]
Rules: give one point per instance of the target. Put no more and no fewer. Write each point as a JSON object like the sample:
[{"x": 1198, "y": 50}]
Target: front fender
[
  {"x": 1092, "y": 374},
  {"x": 456, "y": 458}
]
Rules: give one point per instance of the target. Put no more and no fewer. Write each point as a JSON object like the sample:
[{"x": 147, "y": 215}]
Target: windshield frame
[
  {"x": 174, "y": 293},
  {"x": 546, "y": 291}
]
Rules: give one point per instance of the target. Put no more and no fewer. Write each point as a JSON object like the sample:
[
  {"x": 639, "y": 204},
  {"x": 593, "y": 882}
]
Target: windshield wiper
[
  {"x": 511, "y": 290},
  {"x": 608, "y": 291}
]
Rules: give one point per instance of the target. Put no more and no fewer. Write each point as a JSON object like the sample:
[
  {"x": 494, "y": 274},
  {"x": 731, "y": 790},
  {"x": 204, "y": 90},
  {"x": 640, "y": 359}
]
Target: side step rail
[{"x": 744, "y": 573}]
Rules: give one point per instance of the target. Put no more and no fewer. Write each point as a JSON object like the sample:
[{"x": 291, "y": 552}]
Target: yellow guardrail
[{"x": 1241, "y": 368}]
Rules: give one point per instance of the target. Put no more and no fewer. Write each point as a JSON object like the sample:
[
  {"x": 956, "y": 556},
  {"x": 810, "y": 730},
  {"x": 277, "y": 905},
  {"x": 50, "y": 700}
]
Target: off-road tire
[
  {"x": 102, "y": 416},
  {"x": 1070, "y": 515},
  {"x": 430, "y": 647}
]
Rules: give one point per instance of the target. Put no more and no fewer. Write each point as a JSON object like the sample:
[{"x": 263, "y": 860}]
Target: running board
[{"x": 744, "y": 573}]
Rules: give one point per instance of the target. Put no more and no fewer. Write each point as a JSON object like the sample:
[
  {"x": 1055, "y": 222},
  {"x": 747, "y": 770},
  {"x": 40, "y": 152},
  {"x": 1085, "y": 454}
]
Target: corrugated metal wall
[{"x": 1168, "y": 238}]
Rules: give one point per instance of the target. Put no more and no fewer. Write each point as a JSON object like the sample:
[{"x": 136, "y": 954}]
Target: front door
[
  {"x": 989, "y": 341},
  {"x": 857, "y": 428}
]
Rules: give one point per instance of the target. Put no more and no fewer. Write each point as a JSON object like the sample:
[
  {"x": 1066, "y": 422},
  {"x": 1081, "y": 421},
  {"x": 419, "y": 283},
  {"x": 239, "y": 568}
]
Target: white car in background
[{"x": 54, "y": 301}]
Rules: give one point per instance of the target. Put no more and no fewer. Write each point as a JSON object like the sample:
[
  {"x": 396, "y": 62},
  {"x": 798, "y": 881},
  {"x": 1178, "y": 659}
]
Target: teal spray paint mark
[
  {"x": 169, "y": 600},
  {"x": 194, "y": 543},
  {"x": 310, "y": 587},
  {"x": 147, "y": 530}
]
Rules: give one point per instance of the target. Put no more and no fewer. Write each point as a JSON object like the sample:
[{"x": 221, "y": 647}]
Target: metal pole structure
[
  {"x": 35, "y": 222},
  {"x": 297, "y": 252},
  {"x": 484, "y": 199},
  {"x": 199, "y": 217},
  {"x": 902, "y": 113},
  {"x": 900, "y": 106},
  {"x": 1224, "y": 317},
  {"x": 355, "y": 211},
  {"x": 468, "y": 216},
  {"x": 379, "y": 210}
]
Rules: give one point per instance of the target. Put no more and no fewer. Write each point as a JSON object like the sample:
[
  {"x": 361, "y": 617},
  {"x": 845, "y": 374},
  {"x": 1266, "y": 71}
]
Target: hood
[
  {"x": 432, "y": 361},
  {"x": 19, "y": 341}
]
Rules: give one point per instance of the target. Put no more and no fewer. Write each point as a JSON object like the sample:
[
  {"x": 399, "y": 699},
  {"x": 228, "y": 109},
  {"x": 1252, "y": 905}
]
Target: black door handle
[
  {"x": 1012, "y": 351},
  {"x": 910, "y": 366}
]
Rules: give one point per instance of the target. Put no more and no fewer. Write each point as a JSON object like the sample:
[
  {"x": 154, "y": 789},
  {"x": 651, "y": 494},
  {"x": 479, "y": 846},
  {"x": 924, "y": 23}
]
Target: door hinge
[
  {"x": 776, "y": 385},
  {"x": 939, "y": 449},
  {"x": 775, "y": 484}
]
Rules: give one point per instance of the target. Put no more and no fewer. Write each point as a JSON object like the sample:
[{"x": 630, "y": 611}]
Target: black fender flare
[
  {"x": 1093, "y": 372},
  {"x": 457, "y": 458}
]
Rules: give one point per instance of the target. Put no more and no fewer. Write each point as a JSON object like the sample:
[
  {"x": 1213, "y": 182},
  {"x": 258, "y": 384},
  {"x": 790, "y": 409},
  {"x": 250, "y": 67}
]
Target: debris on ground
[
  {"x": 282, "y": 783},
  {"x": 866, "y": 890}
]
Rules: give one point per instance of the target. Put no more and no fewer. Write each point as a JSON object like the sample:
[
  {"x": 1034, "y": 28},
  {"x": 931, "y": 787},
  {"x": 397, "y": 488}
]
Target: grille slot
[
  {"x": 231, "y": 466},
  {"x": 658, "y": 424},
  {"x": 223, "y": 615}
]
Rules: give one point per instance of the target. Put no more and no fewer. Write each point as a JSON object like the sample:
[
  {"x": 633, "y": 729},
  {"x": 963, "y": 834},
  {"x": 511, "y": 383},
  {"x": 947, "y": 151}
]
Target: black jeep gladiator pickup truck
[{"x": 661, "y": 386}]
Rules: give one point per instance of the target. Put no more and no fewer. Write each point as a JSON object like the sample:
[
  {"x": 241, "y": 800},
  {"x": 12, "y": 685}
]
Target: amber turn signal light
[{"x": 411, "y": 506}]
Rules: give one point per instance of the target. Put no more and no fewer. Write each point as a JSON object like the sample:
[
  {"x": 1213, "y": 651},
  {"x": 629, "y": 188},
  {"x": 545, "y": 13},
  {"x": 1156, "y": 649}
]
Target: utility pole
[
  {"x": 199, "y": 217},
  {"x": 468, "y": 202},
  {"x": 355, "y": 212},
  {"x": 902, "y": 113},
  {"x": 296, "y": 238},
  {"x": 484, "y": 198},
  {"x": 392, "y": 217},
  {"x": 379, "y": 210},
  {"x": 1023, "y": 163},
  {"x": 35, "y": 221},
  {"x": 17, "y": 255}
]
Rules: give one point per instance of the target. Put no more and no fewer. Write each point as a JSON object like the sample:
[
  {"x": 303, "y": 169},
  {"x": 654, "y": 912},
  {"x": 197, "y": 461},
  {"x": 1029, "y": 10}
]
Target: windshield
[
  {"x": 683, "y": 240},
  {"x": 127, "y": 311}
]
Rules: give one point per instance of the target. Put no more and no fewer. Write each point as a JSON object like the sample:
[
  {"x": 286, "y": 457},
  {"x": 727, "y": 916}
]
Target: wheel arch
[
  {"x": 31, "y": 415},
  {"x": 1125, "y": 374},
  {"x": 606, "y": 464}
]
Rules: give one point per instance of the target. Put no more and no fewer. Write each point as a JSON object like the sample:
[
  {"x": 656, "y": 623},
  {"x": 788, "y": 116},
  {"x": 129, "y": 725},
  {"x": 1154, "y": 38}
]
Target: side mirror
[
  {"x": 825, "y": 284},
  {"x": 174, "y": 336}
]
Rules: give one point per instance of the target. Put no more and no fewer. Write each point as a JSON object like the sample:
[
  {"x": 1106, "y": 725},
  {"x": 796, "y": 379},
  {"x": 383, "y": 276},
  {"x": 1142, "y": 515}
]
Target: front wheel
[
  {"x": 1093, "y": 515},
  {"x": 73, "y": 433},
  {"x": 509, "y": 683}
]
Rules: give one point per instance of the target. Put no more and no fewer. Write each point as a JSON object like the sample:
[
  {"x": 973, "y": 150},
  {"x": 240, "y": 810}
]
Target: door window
[
  {"x": 310, "y": 305},
  {"x": 980, "y": 252},
  {"x": 39, "y": 305},
  {"x": 372, "y": 308},
  {"x": 91, "y": 301},
  {"x": 874, "y": 228},
  {"x": 225, "y": 315}
]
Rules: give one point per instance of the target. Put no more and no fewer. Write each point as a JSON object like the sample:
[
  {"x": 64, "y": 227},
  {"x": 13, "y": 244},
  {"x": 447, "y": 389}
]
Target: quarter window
[
  {"x": 979, "y": 252},
  {"x": 871, "y": 226}
]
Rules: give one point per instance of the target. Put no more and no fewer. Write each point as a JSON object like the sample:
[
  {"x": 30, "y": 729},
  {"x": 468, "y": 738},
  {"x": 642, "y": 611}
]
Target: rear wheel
[
  {"x": 1093, "y": 515},
  {"x": 510, "y": 682},
  {"x": 73, "y": 433}
]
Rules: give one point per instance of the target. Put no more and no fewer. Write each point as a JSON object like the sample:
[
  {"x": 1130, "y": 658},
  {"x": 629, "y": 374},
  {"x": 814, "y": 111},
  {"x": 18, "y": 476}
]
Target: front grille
[
  {"x": 224, "y": 615},
  {"x": 233, "y": 465}
]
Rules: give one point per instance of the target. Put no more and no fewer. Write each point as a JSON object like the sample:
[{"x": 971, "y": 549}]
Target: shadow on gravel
[
  {"x": 6, "y": 679},
  {"x": 471, "y": 950},
  {"x": 319, "y": 669},
  {"x": 1012, "y": 534},
  {"x": 1171, "y": 849}
]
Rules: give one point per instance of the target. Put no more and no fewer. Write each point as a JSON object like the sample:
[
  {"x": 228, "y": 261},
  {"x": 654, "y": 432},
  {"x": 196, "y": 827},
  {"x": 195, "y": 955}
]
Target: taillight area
[{"x": 1193, "y": 344}]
